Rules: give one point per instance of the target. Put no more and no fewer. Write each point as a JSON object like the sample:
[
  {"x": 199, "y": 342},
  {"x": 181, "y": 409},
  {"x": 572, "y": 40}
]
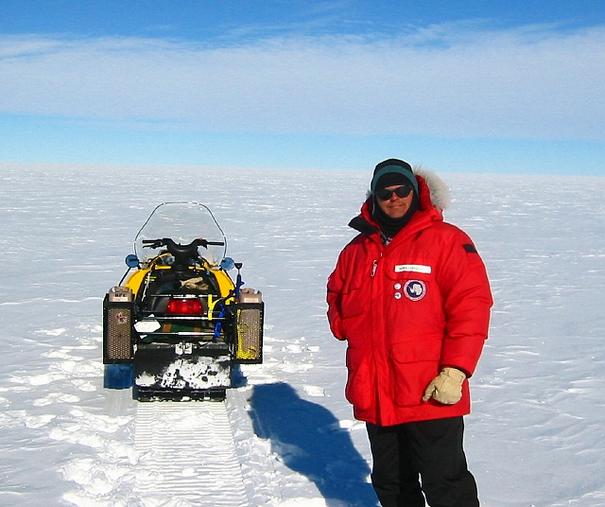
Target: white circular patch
[
  {"x": 414, "y": 290},
  {"x": 397, "y": 295},
  {"x": 397, "y": 286}
]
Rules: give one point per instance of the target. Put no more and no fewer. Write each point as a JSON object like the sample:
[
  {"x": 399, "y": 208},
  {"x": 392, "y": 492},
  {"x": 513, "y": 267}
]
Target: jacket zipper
[{"x": 373, "y": 317}]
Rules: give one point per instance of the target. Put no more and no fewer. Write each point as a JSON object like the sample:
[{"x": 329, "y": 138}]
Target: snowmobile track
[{"x": 187, "y": 455}]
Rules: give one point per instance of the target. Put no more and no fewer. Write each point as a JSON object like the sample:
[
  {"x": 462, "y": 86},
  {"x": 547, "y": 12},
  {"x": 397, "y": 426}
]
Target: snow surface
[{"x": 535, "y": 437}]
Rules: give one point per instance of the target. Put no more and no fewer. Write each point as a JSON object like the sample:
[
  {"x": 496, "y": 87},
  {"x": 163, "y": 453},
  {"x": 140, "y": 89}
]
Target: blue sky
[{"x": 485, "y": 86}]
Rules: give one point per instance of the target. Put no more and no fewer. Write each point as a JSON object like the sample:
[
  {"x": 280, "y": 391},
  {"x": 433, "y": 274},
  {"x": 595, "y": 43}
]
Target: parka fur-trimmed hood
[{"x": 439, "y": 191}]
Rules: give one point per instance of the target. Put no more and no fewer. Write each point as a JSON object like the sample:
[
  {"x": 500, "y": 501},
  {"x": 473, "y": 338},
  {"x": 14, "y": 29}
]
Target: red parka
[{"x": 408, "y": 309}]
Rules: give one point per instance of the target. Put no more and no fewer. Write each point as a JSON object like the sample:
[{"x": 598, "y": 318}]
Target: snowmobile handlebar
[
  {"x": 178, "y": 250},
  {"x": 156, "y": 243}
]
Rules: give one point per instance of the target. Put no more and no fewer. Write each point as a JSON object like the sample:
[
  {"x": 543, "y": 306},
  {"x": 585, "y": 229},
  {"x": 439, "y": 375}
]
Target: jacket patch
[
  {"x": 414, "y": 268},
  {"x": 414, "y": 290},
  {"x": 469, "y": 248}
]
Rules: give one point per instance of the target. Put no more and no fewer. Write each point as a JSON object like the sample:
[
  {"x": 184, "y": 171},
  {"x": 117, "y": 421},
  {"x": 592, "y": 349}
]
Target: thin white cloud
[{"x": 453, "y": 80}]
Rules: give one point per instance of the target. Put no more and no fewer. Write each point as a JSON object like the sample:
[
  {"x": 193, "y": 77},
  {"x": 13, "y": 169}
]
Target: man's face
[{"x": 395, "y": 206}]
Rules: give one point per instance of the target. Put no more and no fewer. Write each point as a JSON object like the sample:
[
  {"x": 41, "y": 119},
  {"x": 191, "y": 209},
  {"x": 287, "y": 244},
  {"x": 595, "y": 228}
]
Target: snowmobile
[{"x": 178, "y": 326}]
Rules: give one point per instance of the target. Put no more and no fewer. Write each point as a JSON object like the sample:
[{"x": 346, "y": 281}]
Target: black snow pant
[{"x": 429, "y": 450}]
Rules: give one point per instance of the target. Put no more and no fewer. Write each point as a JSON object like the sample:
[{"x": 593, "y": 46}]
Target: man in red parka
[{"x": 411, "y": 297}]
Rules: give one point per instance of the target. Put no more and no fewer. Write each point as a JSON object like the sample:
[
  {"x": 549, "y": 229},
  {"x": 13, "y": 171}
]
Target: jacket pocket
[
  {"x": 359, "y": 381},
  {"x": 414, "y": 364},
  {"x": 354, "y": 311},
  {"x": 354, "y": 302}
]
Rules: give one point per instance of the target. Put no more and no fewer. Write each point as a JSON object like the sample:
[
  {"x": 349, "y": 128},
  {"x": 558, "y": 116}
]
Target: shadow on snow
[{"x": 309, "y": 440}]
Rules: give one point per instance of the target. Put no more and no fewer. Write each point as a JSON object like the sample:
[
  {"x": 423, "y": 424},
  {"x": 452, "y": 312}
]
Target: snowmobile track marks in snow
[{"x": 187, "y": 455}]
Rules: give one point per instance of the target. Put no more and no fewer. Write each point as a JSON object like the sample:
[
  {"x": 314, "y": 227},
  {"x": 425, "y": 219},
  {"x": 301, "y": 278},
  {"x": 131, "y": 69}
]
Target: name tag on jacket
[{"x": 413, "y": 268}]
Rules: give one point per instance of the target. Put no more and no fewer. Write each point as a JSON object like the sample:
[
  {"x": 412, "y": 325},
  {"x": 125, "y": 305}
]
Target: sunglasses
[{"x": 403, "y": 191}]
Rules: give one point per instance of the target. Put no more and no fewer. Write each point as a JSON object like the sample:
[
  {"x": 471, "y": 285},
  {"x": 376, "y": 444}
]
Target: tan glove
[{"x": 446, "y": 387}]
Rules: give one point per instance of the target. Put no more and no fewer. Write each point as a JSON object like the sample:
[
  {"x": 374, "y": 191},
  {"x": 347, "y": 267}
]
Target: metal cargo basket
[
  {"x": 249, "y": 313},
  {"x": 117, "y": 326}
]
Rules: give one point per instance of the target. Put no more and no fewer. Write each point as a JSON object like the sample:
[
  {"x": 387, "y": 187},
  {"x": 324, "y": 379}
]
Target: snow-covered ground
[{"x": 535, "y": 437}]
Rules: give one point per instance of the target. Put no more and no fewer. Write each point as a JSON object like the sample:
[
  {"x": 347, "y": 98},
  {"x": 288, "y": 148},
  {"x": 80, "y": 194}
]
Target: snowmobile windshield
[{"x": 182, "y": 222}]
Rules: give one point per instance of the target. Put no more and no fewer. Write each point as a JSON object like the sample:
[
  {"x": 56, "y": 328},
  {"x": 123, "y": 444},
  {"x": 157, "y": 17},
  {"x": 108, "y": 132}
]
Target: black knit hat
[{"x": 393, "y": 172}]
